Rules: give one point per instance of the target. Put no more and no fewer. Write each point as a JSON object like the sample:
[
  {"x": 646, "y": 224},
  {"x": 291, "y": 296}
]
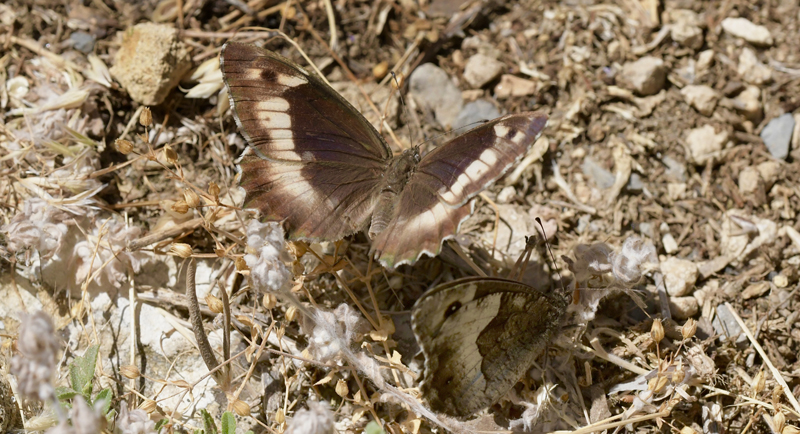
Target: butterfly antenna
[
  {"x": 555, "y": 264},
  {"x": 402, "y": 102},
  {"x": 522, "y": 262}
]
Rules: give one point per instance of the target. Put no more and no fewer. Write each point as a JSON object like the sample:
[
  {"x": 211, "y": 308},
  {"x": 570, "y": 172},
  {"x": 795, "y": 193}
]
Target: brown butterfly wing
[
  {"x": 479, "y": 336},
  {"x": 435, "y": 201},
  {"x": 314, "y": 162}
]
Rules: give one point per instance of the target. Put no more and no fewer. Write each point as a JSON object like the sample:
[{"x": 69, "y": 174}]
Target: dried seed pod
[
  {"x": 170, "y": 155},
  {"x": 213, "y": 190},
  {"x": 214, "y": 303},
  {"x": 241, "y": 408},
  {"x": 779, "y": 420},
  {"x": 180, "y": 207},
  {"x": 130, "y": 371},
  {"x": 689, "y": 329},
  {"x": 269, "y": 301},
  {"x": 241, "y": 265},
  {"x": 380, "y": 70},
  {"x": 341, "y": 388},
  {"x": 279, "y": 416},
  {"x": 148, "y": 406},
  {"x": 123, "y": 146},
  {"x": 181, "y": 250},
  {"x": 291, "y": 313},
  {"x": 759, "y": 382},
  {"x": 146, "y": 117},
  {"x": 657, "y": 330},
  {"x": 191, "y": 198},
  {"x": 790, "y": 429}
]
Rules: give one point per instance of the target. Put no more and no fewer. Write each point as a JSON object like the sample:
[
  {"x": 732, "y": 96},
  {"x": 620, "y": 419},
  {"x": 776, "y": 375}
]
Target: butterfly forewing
[
  {"x": 314, "y": 162},
  {"x": 435, "y": 200},
  {"x": 479, "y": 336}
]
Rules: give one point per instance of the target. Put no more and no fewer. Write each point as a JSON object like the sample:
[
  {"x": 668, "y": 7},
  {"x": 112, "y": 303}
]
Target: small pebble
[
  {"x": 745, "y": 29},
  {"x": 432, "y": 87},
  {"x": 482, "y": 69},
  {"x": 755, "y": 290},
  {"x": 683, "y": 307},
  {"x": 751, "y": 69},
  {"x": 748, "y": 102},
  {"x": 703, "y": 98},
  {"x": 749, "y": 180},
  {"x": 704, "y": 143},
  {"x": 679, "y": 276},
  {"x": 778, "y": 134},
  {"x": 686, "y": 28},
  {"x": 769, "y": 171},
  {"x": 506, "y": 194},
  {"x": 82, "y": 42},
  {"x": 511, "y": 85},
  {"x": 726, "y": 326},
  {"x": 476, "y": 112},
  {"x": 704, "y": 60},
  {"x": 670, "y": 245},
  {"x": 601, "y": 177},
  {"x": 781, "y": 281},
  {"x": 645, "y": 76},
  {"x": 635, "y": 184}
]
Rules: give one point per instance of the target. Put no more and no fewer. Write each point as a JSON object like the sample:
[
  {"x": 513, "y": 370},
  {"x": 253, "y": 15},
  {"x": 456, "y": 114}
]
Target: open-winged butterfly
[{"x": 316, "y": 164}]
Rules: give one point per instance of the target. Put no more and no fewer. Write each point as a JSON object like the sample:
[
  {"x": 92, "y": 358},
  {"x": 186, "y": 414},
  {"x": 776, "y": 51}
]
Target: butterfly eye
[{"x": 452, "y": 309}]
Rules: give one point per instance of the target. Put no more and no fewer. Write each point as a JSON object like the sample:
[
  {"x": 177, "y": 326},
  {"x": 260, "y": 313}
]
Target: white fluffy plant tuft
[{"x": 266, "y": 255}]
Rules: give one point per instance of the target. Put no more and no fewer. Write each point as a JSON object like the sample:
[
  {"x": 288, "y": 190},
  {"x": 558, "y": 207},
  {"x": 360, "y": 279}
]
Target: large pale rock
[
  {"x": 645, "y": 76},
  {"x": 150, "y": 62},
  {"x": 705, "y": 143},
  {"x": 482, "y": 69},
  {"x": 432, "y": 87},
  {"x": 703, "y": 98},
  {"x": 743, "y": 28},
  {"x": 679, "y": 276}
]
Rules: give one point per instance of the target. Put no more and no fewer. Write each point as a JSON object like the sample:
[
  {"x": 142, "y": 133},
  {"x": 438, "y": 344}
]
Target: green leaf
[
  {"x": 81, "y": 371},
  {"x": 63, "y": 393},
  {"x": 228, "y": 423},
  {"x": 249, "y": 432},
  {"x": 111, "y": 416},
  {"x": 373, "y": 428},
  {"x": 160, "y": 424},
  {"x": 208, "y": 422},
  {"x": 103, "y": 396}
]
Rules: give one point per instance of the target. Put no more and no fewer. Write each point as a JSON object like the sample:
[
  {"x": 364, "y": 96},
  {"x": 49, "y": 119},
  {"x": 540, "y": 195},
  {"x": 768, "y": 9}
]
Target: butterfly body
[
  {"x": 317, "y": 165},
  {"x": 479, "y": 336}
]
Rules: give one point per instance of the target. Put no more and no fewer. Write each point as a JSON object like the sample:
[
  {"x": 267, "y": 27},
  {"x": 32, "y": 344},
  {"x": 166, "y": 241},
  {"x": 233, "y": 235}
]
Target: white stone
[
  {"x": 683, "y": 307},
  {"x": 670, "y": 245},
  {"x": 748, "y": 102},
  {"x": 704, "y": 60},
  {"x": 679, "y": 276},
  {"x": 703, "y": 98},
  {"x": 511, "y": 85},
  {"x": 645, "y": 76},
  {"x": 687, "y": 35},
  {"x": 745, "y": 29},
  {"x": 751, "y": 70},
  {"x": 769, "y": 171},
  {"x": 749, "y": 180},
  {"x": 482, "y": 69},
  {"x": 704, "y": 143}
]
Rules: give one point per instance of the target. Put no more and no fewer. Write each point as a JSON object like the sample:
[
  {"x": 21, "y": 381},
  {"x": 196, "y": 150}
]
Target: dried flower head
[
  {"x": 38, "y": 348},
  {"x": 317, "y": 419},
  {"x": 170, "y": 155},
  {"x": 657, "y": 330},
  {"x": 130, "y": 371},
  {"x": 213, "y": 190},
  {"x": 334, "y": 332},
  {"x": 689, "y": 328},
  {"x": 123, "y": 146},
  {"x": 192, "y": 199},
  {"x": 180, "y": 207},
  {"x": 265, "y": 256},
  {"x": 241, "y": 408},
  {"x": 181, "y": 250},
  {"x": 146, "y": 117},
  {"x": 214, "y": 303},
  {"x": 134, "y": 422}
]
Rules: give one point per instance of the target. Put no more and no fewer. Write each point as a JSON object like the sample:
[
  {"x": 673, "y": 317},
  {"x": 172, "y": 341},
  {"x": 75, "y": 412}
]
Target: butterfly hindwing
[
  {"x": 479, "y": 336},
  {"x": 435, "y": 201},
  {"x": 314, "y": 162}
]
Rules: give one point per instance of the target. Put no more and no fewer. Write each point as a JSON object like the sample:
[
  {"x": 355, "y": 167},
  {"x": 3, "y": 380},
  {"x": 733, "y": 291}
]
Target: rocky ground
[{"x": 673, "y": 121}]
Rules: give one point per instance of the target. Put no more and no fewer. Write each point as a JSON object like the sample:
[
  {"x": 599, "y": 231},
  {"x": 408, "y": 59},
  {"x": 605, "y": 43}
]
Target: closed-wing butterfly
[
  {"x": 316, "y": 164},
  {"x": 480, "y": 335}
]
